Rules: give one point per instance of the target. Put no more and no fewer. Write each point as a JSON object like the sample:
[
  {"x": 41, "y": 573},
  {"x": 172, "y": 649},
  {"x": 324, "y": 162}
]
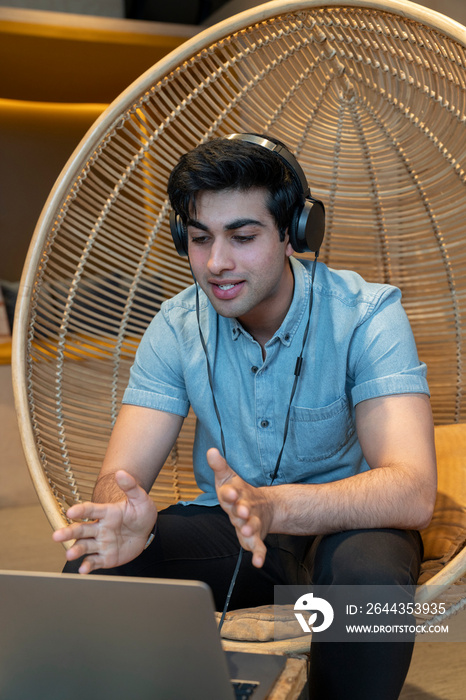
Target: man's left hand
[{"x": 247, "y": 506}]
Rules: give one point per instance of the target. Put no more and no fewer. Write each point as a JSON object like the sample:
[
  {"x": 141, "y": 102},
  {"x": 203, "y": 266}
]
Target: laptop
[{"x": 69, "y": 637}]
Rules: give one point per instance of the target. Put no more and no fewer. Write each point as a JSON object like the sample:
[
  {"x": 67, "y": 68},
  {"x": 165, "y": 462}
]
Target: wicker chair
[{"x": 372, "y": 99}]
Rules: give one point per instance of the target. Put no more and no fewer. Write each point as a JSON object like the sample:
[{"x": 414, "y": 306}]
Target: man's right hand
[{"x": 116, "y": 532}]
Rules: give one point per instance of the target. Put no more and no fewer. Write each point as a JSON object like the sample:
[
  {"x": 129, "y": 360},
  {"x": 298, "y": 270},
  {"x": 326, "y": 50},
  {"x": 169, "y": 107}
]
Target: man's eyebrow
[
  {"x": 197, "y": 224},
  {"x": 232, "y": 226},
  {"x": 239, "y": 223}
]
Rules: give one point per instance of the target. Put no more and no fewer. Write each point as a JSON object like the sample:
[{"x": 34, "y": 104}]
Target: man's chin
[
  {"x": 225, "y": 309},
  {"x": 229, "y": 308}
]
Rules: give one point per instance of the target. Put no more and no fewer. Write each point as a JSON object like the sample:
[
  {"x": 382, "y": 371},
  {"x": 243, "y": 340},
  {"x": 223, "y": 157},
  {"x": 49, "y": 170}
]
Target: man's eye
[
  {"x": 244, "y": 239},
  {"x": 198, "y": 239}
]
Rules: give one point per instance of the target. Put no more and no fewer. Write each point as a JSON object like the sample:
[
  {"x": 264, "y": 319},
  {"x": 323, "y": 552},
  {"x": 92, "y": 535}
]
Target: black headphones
[{"x": 307, "y": 227}]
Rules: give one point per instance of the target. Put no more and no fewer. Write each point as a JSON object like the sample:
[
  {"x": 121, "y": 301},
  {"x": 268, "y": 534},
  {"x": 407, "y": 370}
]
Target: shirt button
[
  {"x": 287, "y": 336},
  {"x": 254, "y": 369},
  {"x": 264, "y": 423}
]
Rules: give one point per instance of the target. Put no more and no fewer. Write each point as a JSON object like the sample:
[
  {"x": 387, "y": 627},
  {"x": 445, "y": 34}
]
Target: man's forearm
[
  {"x": 140, "y": 443},
  {"x": 383, "y": 497}
]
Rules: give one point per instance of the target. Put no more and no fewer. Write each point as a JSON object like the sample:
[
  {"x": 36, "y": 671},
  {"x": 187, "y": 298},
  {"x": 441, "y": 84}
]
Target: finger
[
  {"x": 80, "y": 548},
  {"x": 249, "y": 535},
  {"x": 75, "y": 532},
  {"x": 259, "y": 553},
  {"x": 219, "y": 465},
  {"x": 252, "y": 527},
  {"x": 128, "y": 484},
  {"x": 86, "y": 567},
  {"x": 239, "y": 514},
  {"x": 228, "y": 494},
  {"x": 256, "y": 546},
  {"x": 91, "y": 563},
  {"x": 64, "y": 534},
  {"x": 87, "y": 511},
  {"x": 243, "y": 510},
  {"x": 237, "y": 522}
]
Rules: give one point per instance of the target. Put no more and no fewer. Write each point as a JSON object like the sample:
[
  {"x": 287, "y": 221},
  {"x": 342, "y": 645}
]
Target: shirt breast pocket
[{"x": 318, "y": 434}]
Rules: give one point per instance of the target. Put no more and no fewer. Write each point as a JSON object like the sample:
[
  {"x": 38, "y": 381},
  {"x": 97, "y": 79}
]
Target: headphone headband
[
  {"x": 307, "y": 225},
  {"x": 280, "y": 150}
]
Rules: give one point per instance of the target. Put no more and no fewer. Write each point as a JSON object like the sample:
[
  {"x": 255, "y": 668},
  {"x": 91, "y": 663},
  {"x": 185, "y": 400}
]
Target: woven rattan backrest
[{"x": 372, "y": 100}]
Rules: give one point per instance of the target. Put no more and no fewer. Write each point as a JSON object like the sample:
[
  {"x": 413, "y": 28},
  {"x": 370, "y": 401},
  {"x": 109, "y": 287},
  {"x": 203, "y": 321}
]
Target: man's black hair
[{"x": 222, "y": 164}]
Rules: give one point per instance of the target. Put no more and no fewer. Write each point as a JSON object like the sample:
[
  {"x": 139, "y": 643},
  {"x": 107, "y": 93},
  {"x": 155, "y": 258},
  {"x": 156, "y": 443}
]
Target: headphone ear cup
[
  {"x": 293, "y": 229},
  {"x": 179, "y": 235},
  {"x": 307, "y": 228}
]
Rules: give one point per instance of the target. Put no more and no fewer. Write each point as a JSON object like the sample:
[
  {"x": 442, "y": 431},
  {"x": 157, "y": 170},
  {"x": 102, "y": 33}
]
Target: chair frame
[{"x": 83, "y": 154}]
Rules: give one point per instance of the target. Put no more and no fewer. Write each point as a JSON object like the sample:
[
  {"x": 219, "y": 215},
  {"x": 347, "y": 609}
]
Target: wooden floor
[{"x": 438, "y": 670}]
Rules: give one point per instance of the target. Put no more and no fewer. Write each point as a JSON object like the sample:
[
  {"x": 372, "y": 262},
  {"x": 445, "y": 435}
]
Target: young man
[{"x": 338, "y": 500}]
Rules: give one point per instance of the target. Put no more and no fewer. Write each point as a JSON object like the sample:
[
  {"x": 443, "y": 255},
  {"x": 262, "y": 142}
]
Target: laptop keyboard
[{"x": 243, "y": 689}]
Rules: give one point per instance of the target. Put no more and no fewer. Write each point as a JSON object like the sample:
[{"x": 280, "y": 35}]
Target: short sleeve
[
  {"x": 156, "y": 377},
  {"x": 383, "y": 356}
]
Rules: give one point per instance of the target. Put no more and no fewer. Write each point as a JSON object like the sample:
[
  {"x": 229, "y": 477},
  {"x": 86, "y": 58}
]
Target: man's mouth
[{"x": 227, "y": 290}]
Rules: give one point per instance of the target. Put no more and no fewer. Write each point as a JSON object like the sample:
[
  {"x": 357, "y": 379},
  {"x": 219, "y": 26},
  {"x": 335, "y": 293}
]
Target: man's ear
[{"x": 288, "y": 247}]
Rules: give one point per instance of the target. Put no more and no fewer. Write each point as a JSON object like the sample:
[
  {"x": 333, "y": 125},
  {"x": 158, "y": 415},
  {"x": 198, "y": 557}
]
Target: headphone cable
[
  {"x": 297, "y": 371},
  {"x": 209, "y": 370},
  {"x": 222, "y": 438}
]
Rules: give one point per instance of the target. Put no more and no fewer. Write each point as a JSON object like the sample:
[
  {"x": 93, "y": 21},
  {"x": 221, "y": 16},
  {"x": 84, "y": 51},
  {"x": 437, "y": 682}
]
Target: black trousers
[{"x": 198, "y": 542}]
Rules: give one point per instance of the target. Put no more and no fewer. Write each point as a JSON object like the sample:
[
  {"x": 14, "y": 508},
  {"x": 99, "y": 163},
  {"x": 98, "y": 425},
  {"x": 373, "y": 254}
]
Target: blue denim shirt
[{"x": 360, "y": 346}]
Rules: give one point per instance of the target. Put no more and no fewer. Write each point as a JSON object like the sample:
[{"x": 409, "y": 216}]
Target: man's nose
[{"x": 220, "y": 258}]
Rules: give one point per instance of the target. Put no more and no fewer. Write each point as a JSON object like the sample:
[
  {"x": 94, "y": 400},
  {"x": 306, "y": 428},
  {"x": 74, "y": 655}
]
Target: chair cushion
[
  {"x": 446, "y": 534},
  {"x": 261, "y": 624}
]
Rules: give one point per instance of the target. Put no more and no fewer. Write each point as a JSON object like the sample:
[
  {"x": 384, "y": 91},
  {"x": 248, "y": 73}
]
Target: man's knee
[{"x": 368, "y": 557}]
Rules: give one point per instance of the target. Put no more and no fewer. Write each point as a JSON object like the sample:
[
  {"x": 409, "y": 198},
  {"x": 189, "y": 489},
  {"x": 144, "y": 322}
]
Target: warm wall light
[
  {"x": 99, "y": 8},
  {"x": 61, "y": 57}
]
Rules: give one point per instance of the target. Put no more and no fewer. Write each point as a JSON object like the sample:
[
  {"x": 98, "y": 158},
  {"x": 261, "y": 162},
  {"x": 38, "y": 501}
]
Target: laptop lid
[{"x": 94, "y": 637}]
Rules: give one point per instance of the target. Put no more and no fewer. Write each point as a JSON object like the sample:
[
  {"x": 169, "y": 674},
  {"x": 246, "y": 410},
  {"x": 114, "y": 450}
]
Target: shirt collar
[{"x": 298, "y": 306}]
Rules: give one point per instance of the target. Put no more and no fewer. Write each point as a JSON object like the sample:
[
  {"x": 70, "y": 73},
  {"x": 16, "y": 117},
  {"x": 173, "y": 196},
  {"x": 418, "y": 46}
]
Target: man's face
[{"x": 238, "y": 259}]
